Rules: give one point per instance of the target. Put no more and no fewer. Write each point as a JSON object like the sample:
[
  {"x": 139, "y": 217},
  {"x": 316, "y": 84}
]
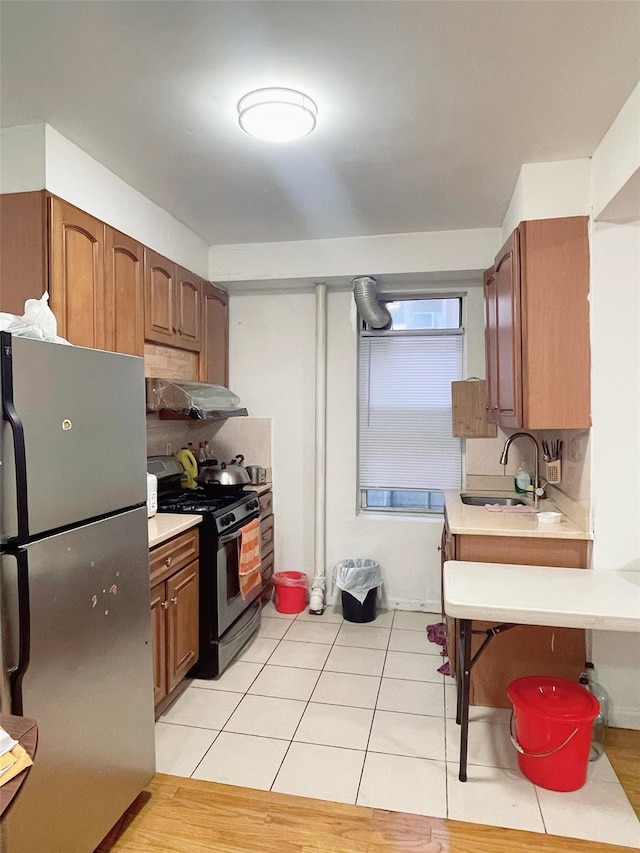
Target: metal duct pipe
[{"x": 373, "y": 312}]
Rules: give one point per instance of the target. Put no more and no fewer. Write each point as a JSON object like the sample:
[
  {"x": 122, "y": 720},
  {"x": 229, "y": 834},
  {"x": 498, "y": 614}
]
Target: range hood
[{"x": 177, "y": 399}]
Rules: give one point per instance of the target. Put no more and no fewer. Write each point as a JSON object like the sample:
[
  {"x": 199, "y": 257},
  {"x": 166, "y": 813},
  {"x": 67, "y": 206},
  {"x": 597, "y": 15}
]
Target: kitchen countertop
[
  {"x": 543, "y": 595},
  {"x": 166, "y": 525},
  {"x": 259, "y": 488},
  {"x": 478, "y": 521}
]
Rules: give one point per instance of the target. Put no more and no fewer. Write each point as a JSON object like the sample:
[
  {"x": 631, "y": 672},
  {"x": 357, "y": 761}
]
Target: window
[{"x": 406, "y": 453}]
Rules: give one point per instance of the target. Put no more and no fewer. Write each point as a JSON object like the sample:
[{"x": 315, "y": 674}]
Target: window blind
[{"x": 404, "y": 416}]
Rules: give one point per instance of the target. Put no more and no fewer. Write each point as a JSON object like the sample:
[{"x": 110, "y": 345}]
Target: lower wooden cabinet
[
  {"x": 527, "y": 649},
  {"x": 266, "y": 545},
  {"x": 174, "y": 612}
]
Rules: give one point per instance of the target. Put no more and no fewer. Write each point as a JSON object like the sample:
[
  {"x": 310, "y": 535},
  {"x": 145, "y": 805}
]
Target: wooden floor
[{"x": 177, "y": 815}]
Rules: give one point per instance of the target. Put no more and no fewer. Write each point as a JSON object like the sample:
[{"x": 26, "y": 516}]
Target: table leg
[
  {"x": 464, "y": 657},
  {"x": 458, "y": 664}
]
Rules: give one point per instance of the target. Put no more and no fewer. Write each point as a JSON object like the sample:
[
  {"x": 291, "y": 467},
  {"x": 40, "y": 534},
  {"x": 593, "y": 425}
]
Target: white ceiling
[{"x": 427, "y": 109}]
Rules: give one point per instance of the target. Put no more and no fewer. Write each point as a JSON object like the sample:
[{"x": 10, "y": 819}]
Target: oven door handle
[{"x": 224, "y": 539}]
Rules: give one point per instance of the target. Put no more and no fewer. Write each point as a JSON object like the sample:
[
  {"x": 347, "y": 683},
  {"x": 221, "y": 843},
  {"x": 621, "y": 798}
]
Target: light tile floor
[{"x": 320, "y": 707}]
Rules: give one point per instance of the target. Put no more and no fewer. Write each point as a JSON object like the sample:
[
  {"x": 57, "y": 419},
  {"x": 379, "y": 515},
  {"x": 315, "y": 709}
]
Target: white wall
[
  {"x": 22, "y": 159},
  {"x": 615, "y": 366},
  {"x": 272, "y": 352},
  {"x": 37, "y": 157},
  {"x": 378, "y": 255},
  {"x": 615, "y": 337},
  {"x": 617, "y": 158},
  {"x": 549, "y": 191},
  {"x": 272, "y": 356}
]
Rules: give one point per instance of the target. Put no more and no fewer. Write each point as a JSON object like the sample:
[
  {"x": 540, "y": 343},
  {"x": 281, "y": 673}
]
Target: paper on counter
[
  {"x": 6, "y": 742},
  {"x": 20, "y": 760}
]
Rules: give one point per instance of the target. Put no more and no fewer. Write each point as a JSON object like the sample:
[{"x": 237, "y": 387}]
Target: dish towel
[{"x": 249, "y": 570}]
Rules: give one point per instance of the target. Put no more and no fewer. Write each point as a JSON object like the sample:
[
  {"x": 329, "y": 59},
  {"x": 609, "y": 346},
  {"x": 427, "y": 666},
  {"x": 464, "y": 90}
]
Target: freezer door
[
  {"x": 88, "y": 684},
  {"x": 82, "y": 415}
]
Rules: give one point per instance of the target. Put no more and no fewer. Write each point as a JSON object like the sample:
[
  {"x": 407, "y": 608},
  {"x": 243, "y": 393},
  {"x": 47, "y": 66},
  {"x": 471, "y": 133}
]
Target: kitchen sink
[{"x": 480, "y": 500}]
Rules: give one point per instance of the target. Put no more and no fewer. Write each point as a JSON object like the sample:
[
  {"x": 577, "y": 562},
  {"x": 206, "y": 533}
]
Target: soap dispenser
[{"x": 522, "y": 480}]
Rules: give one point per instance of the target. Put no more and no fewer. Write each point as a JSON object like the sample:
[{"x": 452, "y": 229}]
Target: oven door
[{"x": 230, "y": 603}]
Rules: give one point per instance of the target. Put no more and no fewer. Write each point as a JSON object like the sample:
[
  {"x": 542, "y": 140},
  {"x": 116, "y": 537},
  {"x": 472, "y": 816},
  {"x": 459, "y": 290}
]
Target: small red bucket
[
  {"x": 290, "y": 591},
  {"x": 553, "y": 721}
]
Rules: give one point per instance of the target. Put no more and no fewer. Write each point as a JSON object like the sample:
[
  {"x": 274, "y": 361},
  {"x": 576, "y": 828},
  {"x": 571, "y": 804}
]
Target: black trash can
[
  {"x": 354, "y": 611},
  {"x": 358, "y": 579}
]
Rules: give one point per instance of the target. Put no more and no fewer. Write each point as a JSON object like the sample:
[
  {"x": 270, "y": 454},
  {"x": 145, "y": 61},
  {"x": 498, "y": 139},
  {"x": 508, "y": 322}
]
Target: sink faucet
[{"x": 504, "y": 456}]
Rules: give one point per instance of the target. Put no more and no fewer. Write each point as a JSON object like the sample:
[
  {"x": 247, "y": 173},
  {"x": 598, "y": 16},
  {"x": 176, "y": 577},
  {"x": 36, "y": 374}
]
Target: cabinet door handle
[
  {"x": 169, "y": 560},
  {"x": 439, "y": 547},
  {"x": 174, "y": 599},
  {"x": 164, "y": 604}
]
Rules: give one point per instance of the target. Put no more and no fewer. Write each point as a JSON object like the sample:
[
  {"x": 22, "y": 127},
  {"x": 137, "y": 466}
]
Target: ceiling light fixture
[{"x": 276, "y": 114}]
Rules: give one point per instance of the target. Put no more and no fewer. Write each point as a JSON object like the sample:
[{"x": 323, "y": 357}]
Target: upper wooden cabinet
[
  {"x": 537, "y": 327},
  {"x": 77, "y": 274},
  {"x": 24, "y": 249},
  {"x": 173, "y": 304},
  {"x": 92, "y": 272},
  {"x": 159, "y": 298},
  {"x": 189, "y": 309},
  {"x": 107, "y": 290},
  {"x": 214, "y": 360},
  {"x": 124, "y": 293}
]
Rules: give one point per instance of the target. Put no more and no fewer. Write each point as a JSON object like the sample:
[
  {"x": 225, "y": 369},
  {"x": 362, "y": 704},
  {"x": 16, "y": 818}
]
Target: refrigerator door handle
[
  {"x": 19, "y": 605},
  {"x": 10, "y": 414}
]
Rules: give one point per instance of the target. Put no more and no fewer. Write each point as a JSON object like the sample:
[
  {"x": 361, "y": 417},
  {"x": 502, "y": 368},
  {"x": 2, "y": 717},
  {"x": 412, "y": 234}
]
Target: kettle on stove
[{"x": 188, "y": 461}]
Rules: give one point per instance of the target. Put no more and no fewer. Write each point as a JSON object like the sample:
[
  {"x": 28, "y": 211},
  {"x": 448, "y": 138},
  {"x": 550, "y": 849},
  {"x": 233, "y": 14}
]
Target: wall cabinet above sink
[{"x": 537, "y": 327}]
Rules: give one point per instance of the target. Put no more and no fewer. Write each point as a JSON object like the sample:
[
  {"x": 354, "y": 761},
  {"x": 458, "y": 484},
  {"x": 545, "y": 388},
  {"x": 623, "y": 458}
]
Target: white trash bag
[
  {"x": 38, "y": 322},
  {"x": 357, "y": 577}
]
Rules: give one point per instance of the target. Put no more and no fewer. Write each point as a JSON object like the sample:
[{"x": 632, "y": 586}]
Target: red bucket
[
  {"x": 290, "y": 591},
  {"x": 553, "y": 722}
]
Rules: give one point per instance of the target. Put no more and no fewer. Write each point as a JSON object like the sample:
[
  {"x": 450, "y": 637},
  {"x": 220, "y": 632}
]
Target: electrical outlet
[{"x": 167, "y": 448}]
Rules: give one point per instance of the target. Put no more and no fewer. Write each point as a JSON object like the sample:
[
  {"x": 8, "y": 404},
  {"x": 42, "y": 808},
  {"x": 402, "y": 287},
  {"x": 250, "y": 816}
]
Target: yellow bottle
[{"x": 187, "y": 460}]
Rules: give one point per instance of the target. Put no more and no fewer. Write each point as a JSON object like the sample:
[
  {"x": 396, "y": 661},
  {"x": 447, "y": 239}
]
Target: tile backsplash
[
  {"x": 482, "y": 457},
  {"x": 227, "y": 438}
]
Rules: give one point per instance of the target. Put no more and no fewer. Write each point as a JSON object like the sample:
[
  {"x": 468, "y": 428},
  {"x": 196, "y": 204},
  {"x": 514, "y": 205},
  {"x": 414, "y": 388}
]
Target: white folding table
[{"x": 530, "y": 595}]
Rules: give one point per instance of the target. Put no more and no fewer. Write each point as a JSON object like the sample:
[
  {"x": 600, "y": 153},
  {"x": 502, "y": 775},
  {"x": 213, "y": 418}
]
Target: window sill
[{"x": 400, "y": 515}]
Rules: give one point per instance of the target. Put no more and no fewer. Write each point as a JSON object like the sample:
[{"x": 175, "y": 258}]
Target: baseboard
[
  {"x": 384, "y": 603},
  {"x": 415, "y": 606},
  {"x": 627, "y": 717}
]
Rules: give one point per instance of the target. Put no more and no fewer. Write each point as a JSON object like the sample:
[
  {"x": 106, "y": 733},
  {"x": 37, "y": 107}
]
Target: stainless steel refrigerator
[{"x": 74, "y": 589}]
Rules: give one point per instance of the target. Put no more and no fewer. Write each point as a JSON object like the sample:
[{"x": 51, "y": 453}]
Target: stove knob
[
  {"x": 254, "y": 504},
  {"x": 231, "y": 518}
]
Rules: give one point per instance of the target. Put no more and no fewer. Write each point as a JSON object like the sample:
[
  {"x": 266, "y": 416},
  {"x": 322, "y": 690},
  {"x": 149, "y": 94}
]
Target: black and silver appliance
[
  {"x": 74, "y": 589},
  {"x": 227, "y": 620}
]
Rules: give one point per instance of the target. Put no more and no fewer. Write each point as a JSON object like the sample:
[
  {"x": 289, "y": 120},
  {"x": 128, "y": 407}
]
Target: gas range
[
  {"x": 227, "y": 620},
  {"x": 226, "y": 509},
  {"x": 223, "y": 507}
]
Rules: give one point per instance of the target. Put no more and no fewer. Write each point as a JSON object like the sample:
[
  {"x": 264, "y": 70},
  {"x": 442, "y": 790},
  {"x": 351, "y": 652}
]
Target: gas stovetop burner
[
  {"x": 226, "y": 508},
  {"x": 195, "y": 501}
]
